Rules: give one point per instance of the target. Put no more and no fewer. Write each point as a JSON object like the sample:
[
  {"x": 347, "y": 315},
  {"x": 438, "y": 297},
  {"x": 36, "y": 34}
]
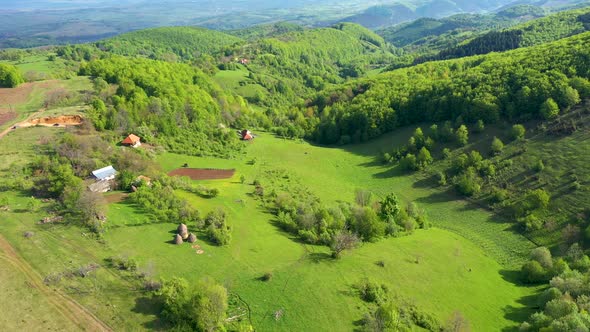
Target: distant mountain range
[{"x": 30, "y": 23}]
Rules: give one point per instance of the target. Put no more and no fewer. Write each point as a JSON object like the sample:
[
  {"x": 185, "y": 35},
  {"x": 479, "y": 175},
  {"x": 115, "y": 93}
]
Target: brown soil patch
[
  {"x": 20, "y": 94},
  {"x": 6, "y": 117},
  {"x": 203, "y": 173},
  {"x": 66, "y": 120}
]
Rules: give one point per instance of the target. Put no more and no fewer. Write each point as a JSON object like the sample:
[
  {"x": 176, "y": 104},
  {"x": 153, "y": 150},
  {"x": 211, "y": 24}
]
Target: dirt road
[{"x": 64, "y": 304}]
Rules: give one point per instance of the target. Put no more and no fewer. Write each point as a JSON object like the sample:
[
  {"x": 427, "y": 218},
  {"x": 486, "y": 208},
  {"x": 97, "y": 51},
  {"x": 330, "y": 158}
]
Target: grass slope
[{"x": 435, "y": 284}]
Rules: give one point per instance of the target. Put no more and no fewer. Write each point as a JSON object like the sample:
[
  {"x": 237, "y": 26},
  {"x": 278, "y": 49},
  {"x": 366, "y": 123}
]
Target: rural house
[
  {"x": 247, "y": 135},
  {"x": 103, "y": 179},
  {"x": 131, "y": 140}
]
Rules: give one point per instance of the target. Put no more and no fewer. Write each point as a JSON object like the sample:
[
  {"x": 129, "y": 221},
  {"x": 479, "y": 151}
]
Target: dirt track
[
  {"x": 203, "y": 173},
  {"x": 64, "y": 304}
]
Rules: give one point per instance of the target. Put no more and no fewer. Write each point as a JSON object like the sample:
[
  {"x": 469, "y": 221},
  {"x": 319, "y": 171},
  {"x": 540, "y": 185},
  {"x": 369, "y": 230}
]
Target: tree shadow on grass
[
  {"x": 438, "y": 197},
  {"x": 427, "y": 182},
  {"x": 149, "y": 306},
  {"x": 529, "y": 303},
  {"x": 320, "y": 257},
  {"x": 394, "y": 171}
]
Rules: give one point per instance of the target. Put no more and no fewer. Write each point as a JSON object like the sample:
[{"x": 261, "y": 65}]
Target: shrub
[
  {"x": 497, "y": 146},
  {"x": 372, "y": 292},
  {"x": 462, "y": 135},
  {"x": 467, "y": 184},
  {"x": 517, "y": 132},
  {"x": 533, "y": 272},
  {"x": 266, "y": 277},
  {"x": 539, "y": 166},
  {"x": 479, "y": 126},
  {"x": 549, "y": 109},
  {"x": 498, "y": 195},
  {"x": 409, "y": 162},
  {"x": 424, "y": 158},
  {"x": 543, "y": 256}
]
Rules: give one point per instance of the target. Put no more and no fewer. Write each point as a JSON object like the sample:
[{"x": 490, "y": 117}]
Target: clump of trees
[
  {"x": 10, "y": 76},
  {"x": 198, "y": 307},
  {"x": 387, "y": 313},
  {"x": 564, "y": 304},
  {"x": 216, "y": 227},
  {"x": 344, "y": 226}
]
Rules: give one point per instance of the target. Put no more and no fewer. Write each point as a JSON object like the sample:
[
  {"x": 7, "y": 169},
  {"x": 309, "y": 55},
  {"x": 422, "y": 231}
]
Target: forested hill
[
  {"x": 294, "y": 64},
  {"x": 169, "y": 43},
  {"x": 511, "y": 86},
  {"x": 431, "y": 32},
  {"x": 534, "y": 32},
  {"x": 265, "y": 30}
]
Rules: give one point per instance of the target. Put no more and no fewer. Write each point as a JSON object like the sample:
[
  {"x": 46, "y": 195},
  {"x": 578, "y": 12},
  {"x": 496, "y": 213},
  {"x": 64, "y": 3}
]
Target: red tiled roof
[{"x": 131, "y": 139}]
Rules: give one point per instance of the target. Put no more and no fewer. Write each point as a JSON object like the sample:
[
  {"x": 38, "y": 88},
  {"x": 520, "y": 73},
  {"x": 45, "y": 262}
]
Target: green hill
[
  {"x": 265, "y": 30},
  {"x": 426, "y": 33},
  {"x": 531, "y": 33},
  {"x": 169, "y": 43}
]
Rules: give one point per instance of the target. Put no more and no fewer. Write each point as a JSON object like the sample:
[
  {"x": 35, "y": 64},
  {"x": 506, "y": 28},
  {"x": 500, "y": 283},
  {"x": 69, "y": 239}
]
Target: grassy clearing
[
  {"x": 238, "y": 81},
  {"x": 439, "y": 271},
  {"x": 333, "y": 174},
  {"x": 315, "y": 292}
]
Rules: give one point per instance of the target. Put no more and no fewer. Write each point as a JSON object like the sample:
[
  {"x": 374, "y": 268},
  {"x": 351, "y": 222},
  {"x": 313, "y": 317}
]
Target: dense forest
[
  {"x": 169, "y": 43},
  {"x": 531, "y": 33},
  {"x": 176, "y": 105}
]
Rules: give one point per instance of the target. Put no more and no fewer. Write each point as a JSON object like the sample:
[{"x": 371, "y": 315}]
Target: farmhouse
[
  {"x": 103, "y": 179},
  {"x": 131, "y": 140},
  {"x": 247, "y": 135},
  {"x": 244, "y": 61}
]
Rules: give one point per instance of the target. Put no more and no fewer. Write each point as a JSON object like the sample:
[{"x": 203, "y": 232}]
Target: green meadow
[
  {"x": 468, "y": 256},
  {"x": 436, "y": 269}
]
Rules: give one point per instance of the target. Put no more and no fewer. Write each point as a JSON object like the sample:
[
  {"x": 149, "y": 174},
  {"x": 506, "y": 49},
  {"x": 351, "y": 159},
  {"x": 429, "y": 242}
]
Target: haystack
[
  {"x": 178, "y": 239},
  {"x": 183, "y": 231},
  {"x": 192, "y": 238}
]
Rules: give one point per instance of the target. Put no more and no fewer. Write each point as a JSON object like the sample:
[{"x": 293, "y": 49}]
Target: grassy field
[
  {"x": 438, "y": 270},
  {"x": 333, "y": 174},
  {"x": 236, "y": 80}
]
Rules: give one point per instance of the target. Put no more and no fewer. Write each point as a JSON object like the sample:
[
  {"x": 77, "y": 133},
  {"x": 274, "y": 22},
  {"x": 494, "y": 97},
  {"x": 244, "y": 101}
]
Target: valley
[{"x": 426, "y": 177}]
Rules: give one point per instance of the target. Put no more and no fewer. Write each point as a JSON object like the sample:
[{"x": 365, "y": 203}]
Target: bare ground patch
[
  {"x": 6, "y": 116},
  {"x": 203, "y": 173}
]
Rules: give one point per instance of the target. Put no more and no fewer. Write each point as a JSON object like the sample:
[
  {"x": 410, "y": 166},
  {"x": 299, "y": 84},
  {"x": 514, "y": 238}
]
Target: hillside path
[{"x": 64, "y": 304}]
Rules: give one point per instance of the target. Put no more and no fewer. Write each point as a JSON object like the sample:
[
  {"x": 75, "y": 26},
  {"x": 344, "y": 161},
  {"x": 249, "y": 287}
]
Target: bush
[
  {"x": 372, "y": 292},
  {"x": 462, "y": 135},
  {"x": 517, "y": 132},
  {"x": 497, "y": 146},
  {"x": 266, "y": 277},
  {"x": 467, "y": 184},
  {"x": 409, "y": 162},
  {"x": 498, "y": 195},
  {"x": 479, "y": 126},
  {"x": 549, "y": 109},
  {"x": 533, "y": 272}
]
